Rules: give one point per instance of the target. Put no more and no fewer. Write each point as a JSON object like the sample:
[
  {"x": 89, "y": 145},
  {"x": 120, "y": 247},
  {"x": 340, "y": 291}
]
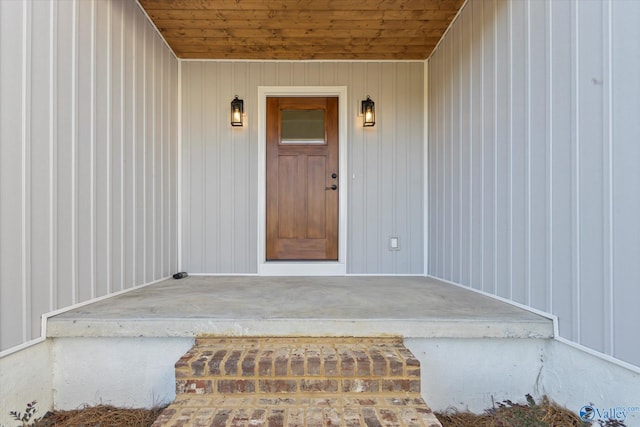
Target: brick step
[
  {"x": 297, "y": 365},
  {"x": 305, "y": 382},
  {"x": 407, "y": 410}
]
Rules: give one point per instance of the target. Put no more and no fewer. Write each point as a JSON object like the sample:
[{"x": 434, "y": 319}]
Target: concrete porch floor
[{"x": 300, "y": 306}]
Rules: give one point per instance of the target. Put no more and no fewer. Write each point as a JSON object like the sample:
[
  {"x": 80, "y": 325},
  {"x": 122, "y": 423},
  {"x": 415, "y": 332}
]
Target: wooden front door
[{"x": 302, "y": 178}]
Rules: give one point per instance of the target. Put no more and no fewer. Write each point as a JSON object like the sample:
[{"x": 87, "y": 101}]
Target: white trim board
[
  {"x": 425, "y": 170},
  {"x": 318, "y": 268}
]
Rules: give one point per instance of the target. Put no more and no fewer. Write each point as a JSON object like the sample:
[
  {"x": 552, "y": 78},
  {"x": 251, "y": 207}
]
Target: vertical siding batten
[
  {"x": 134, "y": 151},
  {"x": 164, "y": 166},
  {"x": 610, "y": 308},
  {"x": 163, "y": 269},
  {"x": 527, "y": 252},
  {"x": 154, "y": 138},
  {"x": 440, "y": 167},
  {"x": 74, "y": 145},
  {"x": 223, "y": 157},
  {"x": 165, "y": 203},
  {"x": 575, "y": 208},
  {"x": 92, "y": 153},
  {"x": 150, "y": 155},
  {"x": 141, "y": 144},
  {"x": 476, "y": 111},
  {"x": 549, "y": 143},
  {"x": 426, "y": 181},
  {"x": 108, "y": 178},
  {"x": 175, "y": 193},
  {"x": 180, "y": 176},
  {"x": 483, "y": 151},
  {"x": 63, "y": 141},
  {"x": 393, "y": 225},
  {"x": 448, "y": 169},
  {"x": 430, "y": 152},
  {"x": 179, "y": 171},
  {"x": 154, "y": 148},
  {"x": 509, "y": 183},
  {"x": 25, "y": 166},
  {"x": 502, "y": 191},
  {"x": 465, "y": 150},
  {"x": 135, "y": 142},
  {"x": 122, "y": 136},
  {"x": 3, "y": 290},
  {"x": 466, "y": 144},
  {"x": 53, "y": 157},
  {"x": 373, "y": 80},
  {"x": 495, "y": 150},
  {"x": 158, "y": 236},
  {"x": 456, "y": 159}
]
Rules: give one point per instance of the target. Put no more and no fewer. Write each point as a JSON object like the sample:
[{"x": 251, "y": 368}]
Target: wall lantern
[
  {"x": 368, "y": 110},
  {"x": 237, "y": 111}
]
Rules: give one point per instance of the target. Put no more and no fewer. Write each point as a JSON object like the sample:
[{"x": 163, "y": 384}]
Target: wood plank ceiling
[{"x": 302, "y": 29}]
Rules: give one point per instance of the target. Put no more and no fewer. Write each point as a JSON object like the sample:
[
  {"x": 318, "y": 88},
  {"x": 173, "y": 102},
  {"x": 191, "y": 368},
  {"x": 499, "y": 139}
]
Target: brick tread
[
  {"x": 408, "y": 410},
  {"x": 293, "y": 365}
]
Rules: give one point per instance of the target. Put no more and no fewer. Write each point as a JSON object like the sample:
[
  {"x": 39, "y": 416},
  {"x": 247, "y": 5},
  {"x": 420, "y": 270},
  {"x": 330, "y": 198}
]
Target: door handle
[{"x": 333, "y": 187}]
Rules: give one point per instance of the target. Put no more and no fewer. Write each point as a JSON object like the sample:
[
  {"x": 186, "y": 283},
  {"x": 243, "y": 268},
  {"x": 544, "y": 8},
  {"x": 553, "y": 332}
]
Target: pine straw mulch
[
  {"x": 100, "y": 415},
  {"x": 510, "y": 414}
]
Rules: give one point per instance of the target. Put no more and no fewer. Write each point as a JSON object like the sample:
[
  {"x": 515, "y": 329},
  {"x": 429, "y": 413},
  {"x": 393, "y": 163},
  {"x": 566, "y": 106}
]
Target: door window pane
[{"x": 302, "y": 127}]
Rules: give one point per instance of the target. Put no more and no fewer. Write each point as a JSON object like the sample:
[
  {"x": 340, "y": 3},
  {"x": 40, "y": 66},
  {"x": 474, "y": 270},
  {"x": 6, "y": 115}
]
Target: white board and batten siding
[
  {"x": 88, "y": 157},
  {"x": 534, "y": 153},
  {"x": 220, "y": 163}
]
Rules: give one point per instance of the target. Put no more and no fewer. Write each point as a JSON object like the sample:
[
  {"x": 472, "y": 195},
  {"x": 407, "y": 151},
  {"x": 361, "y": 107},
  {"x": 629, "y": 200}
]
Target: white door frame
[{"x": 302, "y": 268}]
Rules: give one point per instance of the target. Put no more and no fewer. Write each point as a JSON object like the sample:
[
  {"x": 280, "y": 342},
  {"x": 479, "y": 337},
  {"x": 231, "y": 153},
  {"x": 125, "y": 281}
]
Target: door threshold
[{"x": 302, "y": 268}]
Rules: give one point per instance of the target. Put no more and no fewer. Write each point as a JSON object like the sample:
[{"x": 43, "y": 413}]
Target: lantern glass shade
[
  {"x": 237, "y": 111},
  {"x": 368, "y": 110}
]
